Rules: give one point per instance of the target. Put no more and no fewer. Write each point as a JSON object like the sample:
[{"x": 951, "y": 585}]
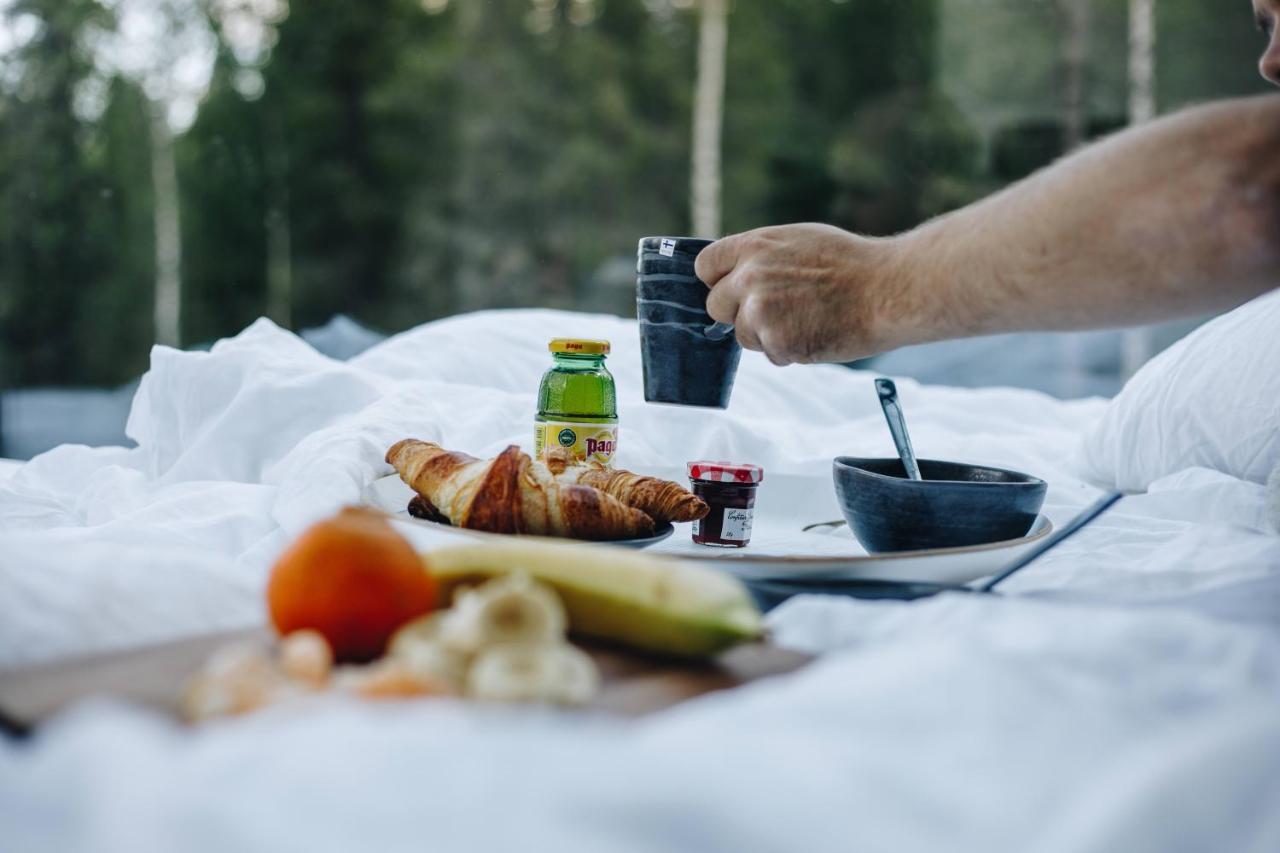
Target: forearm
[{"x": 1179, "y": 217}]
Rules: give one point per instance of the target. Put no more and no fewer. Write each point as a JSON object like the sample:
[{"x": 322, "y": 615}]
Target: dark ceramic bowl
[{"x": 954, "y": 505}]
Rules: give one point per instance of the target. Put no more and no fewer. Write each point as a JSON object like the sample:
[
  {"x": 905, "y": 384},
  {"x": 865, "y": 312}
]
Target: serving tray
[
  {"x": 795, "y": 537},
  {"x": 154, "y": 676}
]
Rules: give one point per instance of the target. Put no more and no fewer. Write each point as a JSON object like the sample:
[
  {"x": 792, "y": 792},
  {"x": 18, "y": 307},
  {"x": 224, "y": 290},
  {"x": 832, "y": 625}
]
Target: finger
[
  {"x": 745, "y": 328},
  {"x": 718, "y": 260},
  {"x": 724, "y": 300},
  {"x": 776, "y": 354},
  {"x": 747, "y": 337}
]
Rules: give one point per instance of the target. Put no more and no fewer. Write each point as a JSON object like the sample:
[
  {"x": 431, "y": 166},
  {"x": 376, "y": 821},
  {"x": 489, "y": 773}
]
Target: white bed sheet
[{"x": 1138, "y": 675}]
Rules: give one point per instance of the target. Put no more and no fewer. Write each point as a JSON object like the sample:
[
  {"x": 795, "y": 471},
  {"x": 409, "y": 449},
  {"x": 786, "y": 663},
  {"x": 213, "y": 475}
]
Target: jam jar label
[
  {"x": 737, "y": 525},
  {"x": 585, "y": 442}
]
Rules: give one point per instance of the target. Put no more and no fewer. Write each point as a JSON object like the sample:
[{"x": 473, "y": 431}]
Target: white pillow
[{"x": 1211, "y": 400}]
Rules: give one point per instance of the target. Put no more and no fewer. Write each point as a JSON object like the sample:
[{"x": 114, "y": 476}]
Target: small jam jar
[{"x": 729, "y": 490}]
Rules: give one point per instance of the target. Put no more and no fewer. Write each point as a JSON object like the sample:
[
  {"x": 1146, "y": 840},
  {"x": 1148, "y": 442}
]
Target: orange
[{"x": 353, "y": 579}]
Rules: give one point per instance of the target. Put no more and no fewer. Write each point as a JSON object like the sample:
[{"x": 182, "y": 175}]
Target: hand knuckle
[
  {"x": 747, "y": 337},
  {"x": 751, "y": 312}
]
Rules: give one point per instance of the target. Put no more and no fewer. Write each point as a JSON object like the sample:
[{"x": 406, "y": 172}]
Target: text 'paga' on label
[{"x": 583, "y": 442}]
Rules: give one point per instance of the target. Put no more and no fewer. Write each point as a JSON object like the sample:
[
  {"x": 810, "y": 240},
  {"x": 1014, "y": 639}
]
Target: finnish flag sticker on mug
[{"x": 668, "y": 247}]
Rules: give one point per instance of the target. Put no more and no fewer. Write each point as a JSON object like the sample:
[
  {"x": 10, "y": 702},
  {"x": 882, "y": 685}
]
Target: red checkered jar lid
[{"x": 725, "y": 472}]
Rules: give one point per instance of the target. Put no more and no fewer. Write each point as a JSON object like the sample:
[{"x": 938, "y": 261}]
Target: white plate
[
  {"x": 938, "y": 565},
  {"x": 780, "y": 547}
]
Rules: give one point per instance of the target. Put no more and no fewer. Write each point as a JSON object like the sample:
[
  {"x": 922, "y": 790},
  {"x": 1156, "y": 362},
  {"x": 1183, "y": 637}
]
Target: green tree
[
  {"x": 568, "y": 141},
  {"x": 907, "y": 156},
  {"x": 222, "y": 175},
  {"x": 1205, "y": 51},
  {"x": 117, "y": 332},
  {"x": 831, "y": 102},
  {"x": 400, "y": 160},
  {"x": 296, "y": 196},
  {"x": 357, "y": 140},
  {"x": 48, "y": 197}
]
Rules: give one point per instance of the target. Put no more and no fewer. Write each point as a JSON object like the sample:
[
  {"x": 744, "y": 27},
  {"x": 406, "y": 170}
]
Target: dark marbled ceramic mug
[{"x": 688, "y": 358}]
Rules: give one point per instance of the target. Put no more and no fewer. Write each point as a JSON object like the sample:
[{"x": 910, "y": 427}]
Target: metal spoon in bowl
[
  {"x": 901, "y": 439},
  {"x": 898, "y": 426}
]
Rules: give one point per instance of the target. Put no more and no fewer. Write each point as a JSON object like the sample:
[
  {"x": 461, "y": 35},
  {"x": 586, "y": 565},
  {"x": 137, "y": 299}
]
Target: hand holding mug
[
  {"x": 688, "y": 359},
  {"x": 806, "y": 293}
]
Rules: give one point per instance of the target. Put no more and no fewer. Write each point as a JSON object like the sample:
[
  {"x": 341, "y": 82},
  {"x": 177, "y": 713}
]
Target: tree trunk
[
  {"x": 1142, "y": 60},
  {"x": 708, "y": 119},
  {"x": 474, "y": 130},
  {"x": 1074, "y": 15},
  {"x": 168, "y": 233},
  {"x": 1138, "y": 342},
  {"x": 1073, "y": 102}
]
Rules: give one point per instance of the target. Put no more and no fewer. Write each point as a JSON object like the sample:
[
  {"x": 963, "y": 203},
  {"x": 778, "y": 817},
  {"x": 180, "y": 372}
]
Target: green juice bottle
[{"x": 577, "y": 403}]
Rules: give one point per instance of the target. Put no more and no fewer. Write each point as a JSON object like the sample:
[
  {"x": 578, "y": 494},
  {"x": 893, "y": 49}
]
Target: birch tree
[
  {"x": 168, "y": 47},
  {"x": 1074, "y": 16},
  {"x": 708, "y": 119},
  {"x": 1142, "y": 60},
  {"x": 1138, "y": 343}
]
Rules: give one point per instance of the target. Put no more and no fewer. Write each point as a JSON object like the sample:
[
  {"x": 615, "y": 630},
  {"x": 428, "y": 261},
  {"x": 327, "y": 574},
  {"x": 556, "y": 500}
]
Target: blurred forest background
[{"x": 172, "y": 169}]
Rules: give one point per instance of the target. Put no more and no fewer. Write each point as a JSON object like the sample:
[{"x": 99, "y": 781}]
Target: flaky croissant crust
[
  {"x": 509, "y": 494},
  {"x": 660, "y": 499}
]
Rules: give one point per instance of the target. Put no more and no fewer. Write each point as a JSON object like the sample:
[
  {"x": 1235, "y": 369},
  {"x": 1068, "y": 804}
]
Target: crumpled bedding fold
[{"x": 1063, "y": 717}]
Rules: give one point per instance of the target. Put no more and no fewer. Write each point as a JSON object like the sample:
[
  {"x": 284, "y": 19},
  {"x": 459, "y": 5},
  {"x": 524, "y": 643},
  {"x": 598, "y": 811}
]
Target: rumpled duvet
[{"x": 1124, "y": 694}]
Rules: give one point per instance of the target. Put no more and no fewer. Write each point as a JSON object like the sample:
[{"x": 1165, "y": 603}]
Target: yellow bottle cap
[{"x": 578, "y": 346}]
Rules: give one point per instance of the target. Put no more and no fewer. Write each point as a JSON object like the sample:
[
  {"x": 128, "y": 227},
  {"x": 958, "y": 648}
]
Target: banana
[{"x": 651, "y": 603}]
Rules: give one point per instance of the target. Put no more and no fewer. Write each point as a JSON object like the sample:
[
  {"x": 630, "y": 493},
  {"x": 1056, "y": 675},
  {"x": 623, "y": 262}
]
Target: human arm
[{"x": 1178, "y": 217}]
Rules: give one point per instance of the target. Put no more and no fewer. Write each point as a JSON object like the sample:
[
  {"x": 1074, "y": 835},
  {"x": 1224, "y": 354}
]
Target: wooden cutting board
[{"x": 154, "y": 677}]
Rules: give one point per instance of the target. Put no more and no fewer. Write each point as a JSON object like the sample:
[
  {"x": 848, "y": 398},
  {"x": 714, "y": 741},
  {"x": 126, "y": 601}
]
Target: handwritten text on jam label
[{"x": 737, "y": 525}]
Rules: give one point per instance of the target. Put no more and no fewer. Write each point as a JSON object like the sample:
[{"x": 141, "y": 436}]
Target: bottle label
[{"x": 584, "y": 442}]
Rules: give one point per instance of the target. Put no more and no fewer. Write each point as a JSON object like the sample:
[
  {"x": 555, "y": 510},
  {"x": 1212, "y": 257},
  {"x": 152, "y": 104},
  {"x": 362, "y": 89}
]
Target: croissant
[
  {"x": 509, "y": 494},
  {"x": 662, "y": 500},
  {"x": 420, "y": 507}
]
